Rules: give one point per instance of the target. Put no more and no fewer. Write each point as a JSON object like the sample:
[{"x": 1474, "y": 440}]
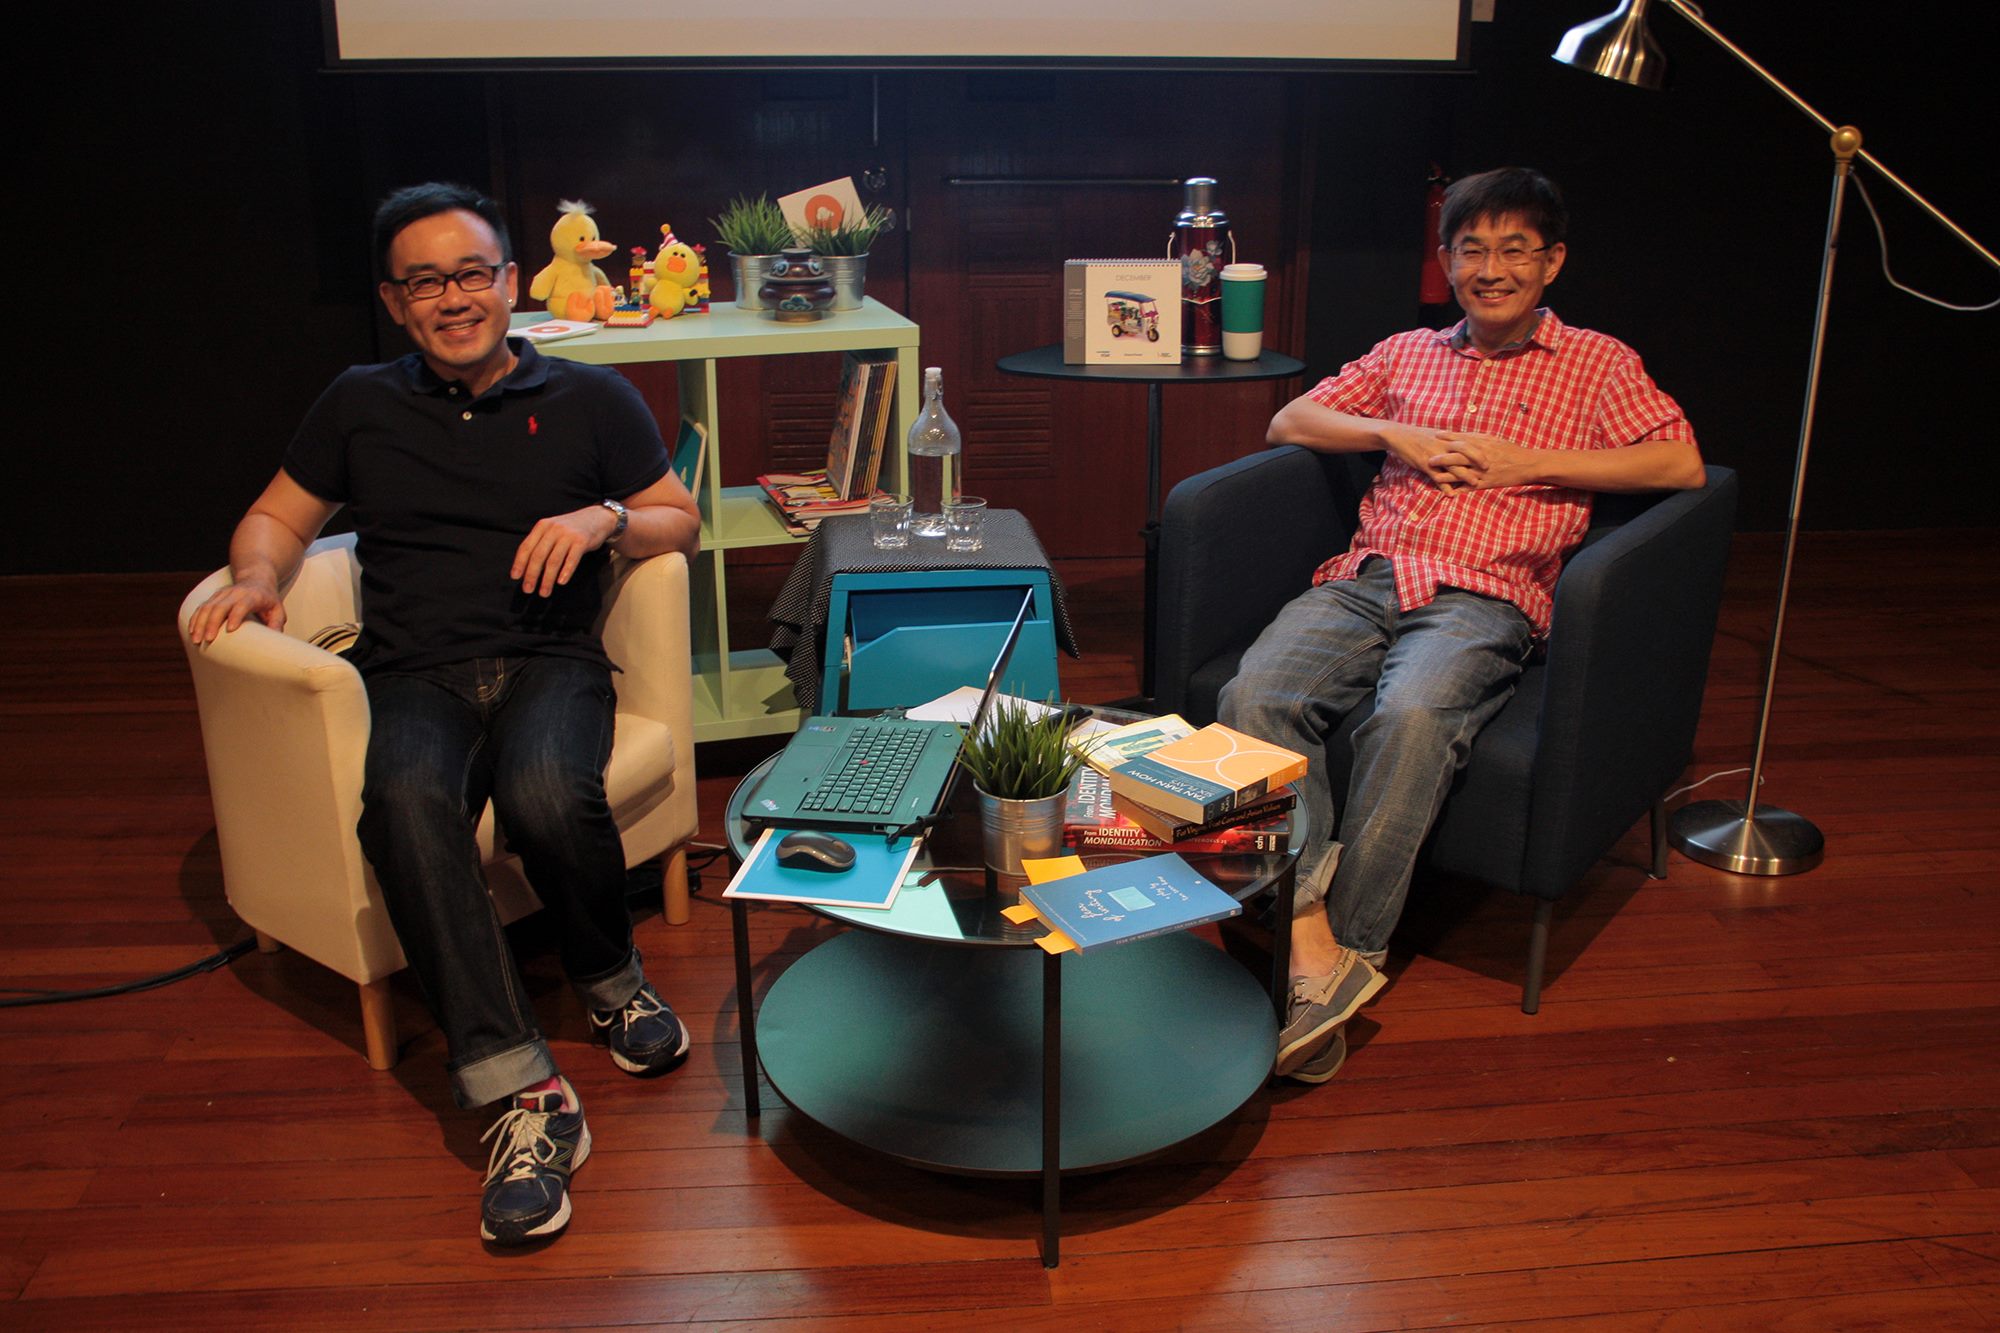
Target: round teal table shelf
[
  {"x": 922, "y": 1034},
  {"x": 933, "y": 1055}
]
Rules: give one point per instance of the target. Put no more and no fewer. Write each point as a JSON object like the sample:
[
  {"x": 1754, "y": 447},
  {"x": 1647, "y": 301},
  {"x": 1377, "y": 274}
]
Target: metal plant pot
[
  {"x": 749, "y": 272},
  {"x": 1016, "y": 829},
  {"x": 847, "y": 273}
]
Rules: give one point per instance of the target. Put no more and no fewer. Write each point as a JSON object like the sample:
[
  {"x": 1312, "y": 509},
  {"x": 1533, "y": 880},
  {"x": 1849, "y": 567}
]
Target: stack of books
[
  {"x": 805, "y": 499},
  {"x": 853, "y": 452},
  {"x": 1161, "y": 785},
  {"x": 1105, "y": 750}
]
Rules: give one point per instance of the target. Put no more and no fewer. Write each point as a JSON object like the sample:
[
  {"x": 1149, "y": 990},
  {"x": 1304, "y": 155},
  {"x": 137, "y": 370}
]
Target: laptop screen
[{"x": 993, "y": 679}]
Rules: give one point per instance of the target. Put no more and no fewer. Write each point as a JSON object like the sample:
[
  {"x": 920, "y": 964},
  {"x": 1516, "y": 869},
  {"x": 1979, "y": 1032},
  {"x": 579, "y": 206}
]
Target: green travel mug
[{"x": 1242, "y": 311}]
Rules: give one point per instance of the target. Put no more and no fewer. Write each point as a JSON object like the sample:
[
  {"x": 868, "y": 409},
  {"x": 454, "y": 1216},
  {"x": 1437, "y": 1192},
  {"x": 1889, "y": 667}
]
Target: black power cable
[{"x": 29, "y": 995}]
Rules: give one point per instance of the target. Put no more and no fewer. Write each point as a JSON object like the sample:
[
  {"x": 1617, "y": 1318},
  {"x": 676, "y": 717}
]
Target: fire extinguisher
[{"x": 1432, "y": 289}]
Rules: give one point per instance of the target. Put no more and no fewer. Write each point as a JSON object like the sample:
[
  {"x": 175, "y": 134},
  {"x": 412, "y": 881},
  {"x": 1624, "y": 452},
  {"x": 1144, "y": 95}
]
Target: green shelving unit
[{"x": 742, "y": 691}]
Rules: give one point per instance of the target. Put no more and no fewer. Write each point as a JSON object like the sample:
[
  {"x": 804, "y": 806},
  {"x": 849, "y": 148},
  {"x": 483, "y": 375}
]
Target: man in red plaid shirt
[{"x": 1496, "y": 432}]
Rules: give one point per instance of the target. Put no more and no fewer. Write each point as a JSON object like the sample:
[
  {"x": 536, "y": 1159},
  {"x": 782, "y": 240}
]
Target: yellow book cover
[{"x": 1229, "y": 758}]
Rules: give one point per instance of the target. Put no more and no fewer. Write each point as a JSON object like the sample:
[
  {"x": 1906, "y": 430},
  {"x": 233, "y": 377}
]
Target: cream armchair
[{"x": 285, "y": 726}]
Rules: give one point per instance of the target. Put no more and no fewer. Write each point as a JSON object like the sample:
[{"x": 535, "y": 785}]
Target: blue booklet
[
  {"x": 690, "y": 451},
  {"x": 873, "y": 881},
  {"x": 1129, "y": 901}
]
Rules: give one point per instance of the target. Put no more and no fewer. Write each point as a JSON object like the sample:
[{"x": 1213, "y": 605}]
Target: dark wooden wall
[{"x": 191, "y": 252}]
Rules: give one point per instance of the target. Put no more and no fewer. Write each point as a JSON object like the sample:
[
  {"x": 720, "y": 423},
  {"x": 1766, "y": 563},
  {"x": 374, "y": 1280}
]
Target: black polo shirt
[{"x": 441, "y": 489}]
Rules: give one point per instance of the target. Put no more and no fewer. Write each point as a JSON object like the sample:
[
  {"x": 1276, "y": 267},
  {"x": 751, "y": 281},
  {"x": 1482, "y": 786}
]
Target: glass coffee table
[{"x": 938, "y": 1032}]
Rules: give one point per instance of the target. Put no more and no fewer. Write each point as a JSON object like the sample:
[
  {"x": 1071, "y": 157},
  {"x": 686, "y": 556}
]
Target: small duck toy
[
  {"x": 677, "y": 273},
  {"x": 573, "y": 286}
]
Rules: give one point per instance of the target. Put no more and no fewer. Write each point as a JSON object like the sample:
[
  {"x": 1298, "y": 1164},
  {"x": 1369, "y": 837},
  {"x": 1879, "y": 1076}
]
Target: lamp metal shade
[{"x": 1617, "y": 46}]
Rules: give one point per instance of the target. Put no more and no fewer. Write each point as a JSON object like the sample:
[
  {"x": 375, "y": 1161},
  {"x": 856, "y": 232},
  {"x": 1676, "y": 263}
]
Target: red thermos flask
[{"x": 1202, "y": 243}]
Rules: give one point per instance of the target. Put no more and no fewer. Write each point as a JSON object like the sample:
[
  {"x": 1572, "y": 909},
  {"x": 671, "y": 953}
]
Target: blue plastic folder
[{"x": 873, "y": 881}]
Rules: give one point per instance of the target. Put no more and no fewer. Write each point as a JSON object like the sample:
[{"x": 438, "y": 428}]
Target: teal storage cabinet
[{"x": 897, "y": 639}]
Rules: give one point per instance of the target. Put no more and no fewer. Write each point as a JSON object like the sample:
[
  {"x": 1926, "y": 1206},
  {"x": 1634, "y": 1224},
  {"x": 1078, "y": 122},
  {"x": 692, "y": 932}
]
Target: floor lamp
[{"x": 1743, "y": 836}]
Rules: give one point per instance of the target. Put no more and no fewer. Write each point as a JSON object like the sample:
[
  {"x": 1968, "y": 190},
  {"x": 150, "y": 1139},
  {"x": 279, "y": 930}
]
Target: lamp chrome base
[{"x": 1773, "y": 842}]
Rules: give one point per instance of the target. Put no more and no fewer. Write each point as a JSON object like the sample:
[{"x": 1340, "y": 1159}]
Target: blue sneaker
[
  {"x": 536, "y": 1146},
  {"x": 645, "y": 1036}
]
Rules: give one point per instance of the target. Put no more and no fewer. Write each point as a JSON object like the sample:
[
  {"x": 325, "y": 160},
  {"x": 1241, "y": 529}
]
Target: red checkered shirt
[{"x": 1559, "y": 388}]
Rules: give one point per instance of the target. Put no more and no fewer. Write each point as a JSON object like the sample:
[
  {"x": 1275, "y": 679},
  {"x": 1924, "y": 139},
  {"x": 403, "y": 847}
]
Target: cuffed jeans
[
  {"x": 1439, "y": 673},
  {"x": 532, "y": 735}
]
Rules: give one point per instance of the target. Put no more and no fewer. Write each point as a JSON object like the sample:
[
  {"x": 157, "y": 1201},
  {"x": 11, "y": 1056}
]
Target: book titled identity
[
  {"x": 1094, "y": 820},
  {"x": 1205, "y": 776},
  {"x": 1129, "y": 901}
]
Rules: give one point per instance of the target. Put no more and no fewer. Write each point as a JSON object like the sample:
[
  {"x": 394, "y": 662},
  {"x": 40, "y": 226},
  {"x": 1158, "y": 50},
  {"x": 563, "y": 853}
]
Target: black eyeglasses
[
  {"x": 1510, "y": 256},
  {"x": 430, "y": 286}
]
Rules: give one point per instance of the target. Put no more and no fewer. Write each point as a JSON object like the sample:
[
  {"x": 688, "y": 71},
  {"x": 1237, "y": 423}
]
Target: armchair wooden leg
[
  {"x": 1538, "y": 952},
  {"x": 674, "y": 887},
  {"x": 265, "y": 944},
  {"x": 1659, "y": 870},
  {"x": 378, "y": 1024}
]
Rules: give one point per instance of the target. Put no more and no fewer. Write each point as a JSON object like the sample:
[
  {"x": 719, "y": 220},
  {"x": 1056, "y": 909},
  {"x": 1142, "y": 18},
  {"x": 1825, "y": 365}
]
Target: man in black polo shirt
[{"x": 486, "y": 486}]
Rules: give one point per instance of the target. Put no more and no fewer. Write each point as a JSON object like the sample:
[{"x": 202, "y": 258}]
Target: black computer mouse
[{"x": 809, "y": 849}]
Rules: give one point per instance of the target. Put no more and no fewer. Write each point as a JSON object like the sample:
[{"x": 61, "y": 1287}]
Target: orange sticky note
[{"x": 1040, "y": 870}]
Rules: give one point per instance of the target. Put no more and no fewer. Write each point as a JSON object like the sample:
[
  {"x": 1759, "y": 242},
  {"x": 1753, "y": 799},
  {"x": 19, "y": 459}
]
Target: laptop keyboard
[{"x": 869, "y": 773}]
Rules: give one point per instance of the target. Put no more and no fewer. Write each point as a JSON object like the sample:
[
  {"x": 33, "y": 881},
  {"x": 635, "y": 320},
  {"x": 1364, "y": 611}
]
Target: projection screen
[{"x": 894, "y": 33}]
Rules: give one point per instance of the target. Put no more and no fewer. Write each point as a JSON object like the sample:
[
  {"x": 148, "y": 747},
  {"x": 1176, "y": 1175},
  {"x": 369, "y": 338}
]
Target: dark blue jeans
[
  {"x": 1438, "y": 674},
  {"x": 532, "y": 735}
]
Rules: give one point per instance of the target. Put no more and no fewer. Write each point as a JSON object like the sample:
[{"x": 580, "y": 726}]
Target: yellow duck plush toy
[
  {"x": 676, "y": 270},
  {"x": 573, "y": 286}
]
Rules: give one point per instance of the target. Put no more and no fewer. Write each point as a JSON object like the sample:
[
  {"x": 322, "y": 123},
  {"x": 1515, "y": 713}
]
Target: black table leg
[
  {"x": 1051, "y": 1110},
  {"x": 1285, "y": 894},
  {"x": 746, "y": 1009},
  {"x": 1151, "y": 533},
  {"x": 1048, "y": 363}
]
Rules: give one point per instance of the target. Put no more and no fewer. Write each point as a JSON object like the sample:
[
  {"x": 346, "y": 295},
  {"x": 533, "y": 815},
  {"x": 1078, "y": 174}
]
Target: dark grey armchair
[{"x": 1597, "y": 731}]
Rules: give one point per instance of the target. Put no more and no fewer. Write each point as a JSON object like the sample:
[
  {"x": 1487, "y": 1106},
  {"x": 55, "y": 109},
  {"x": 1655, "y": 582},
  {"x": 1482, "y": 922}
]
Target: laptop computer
[{"x": 880, "y": 774}]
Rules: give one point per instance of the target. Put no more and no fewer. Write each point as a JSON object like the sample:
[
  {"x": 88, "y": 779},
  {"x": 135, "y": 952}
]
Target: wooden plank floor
[{"x": 1745, "y": 1104}]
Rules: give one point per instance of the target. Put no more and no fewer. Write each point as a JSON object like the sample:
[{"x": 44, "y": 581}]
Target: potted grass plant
[
  {"x": 1021, "y": 766},
  {"x": 755, "y": 231},
  {"x": 843, "y": 251}
]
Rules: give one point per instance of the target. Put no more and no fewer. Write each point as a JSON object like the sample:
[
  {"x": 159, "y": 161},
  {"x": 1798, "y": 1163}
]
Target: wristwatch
[{"x": 623, "y": 515}]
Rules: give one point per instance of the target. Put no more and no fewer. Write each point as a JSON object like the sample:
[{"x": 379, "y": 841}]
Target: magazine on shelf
[
  {"x": 860, "y": 423},
  {"x": 690, "y": 453},
  {"x": 803, "y": 499}
]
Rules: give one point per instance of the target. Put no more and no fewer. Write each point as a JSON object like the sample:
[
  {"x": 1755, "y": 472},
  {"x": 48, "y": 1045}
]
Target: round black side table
[{"x": 1047, "y": 363}]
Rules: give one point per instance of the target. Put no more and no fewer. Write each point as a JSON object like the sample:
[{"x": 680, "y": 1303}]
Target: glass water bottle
[{"x": 934, "y": 447}]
